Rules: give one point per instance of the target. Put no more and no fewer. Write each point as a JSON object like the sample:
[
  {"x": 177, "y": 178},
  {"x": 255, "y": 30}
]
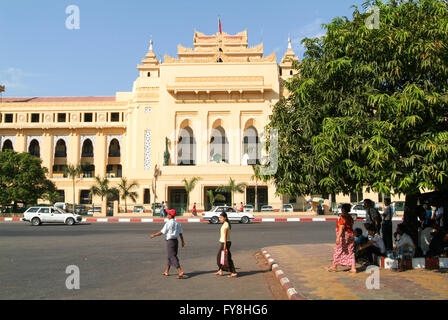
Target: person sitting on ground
[
  {"x": 404, "y": 246},
  {"x": 438, "y": 242},
  {"x": 360, "y": 240},
  {"x": 374, "y": 247},
  {"x": 425, "y": 237}
]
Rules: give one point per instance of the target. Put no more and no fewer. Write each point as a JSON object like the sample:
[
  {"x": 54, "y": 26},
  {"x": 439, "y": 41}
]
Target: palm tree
[
  {"x": 232, "y": 187},
  {"x": 189, "y": 186},
  {"x": 213, "y": 198},
  {"x": 103, "y": 189},
  {"x": 94, "y": 191},
  {"x": 254, "y": 177},
  {"x": 73, "y": 171},
  {"x": 125, "y": 190}
]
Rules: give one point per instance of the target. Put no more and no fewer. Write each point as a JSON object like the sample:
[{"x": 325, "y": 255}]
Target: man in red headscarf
[{"x": 172, "y": 230}]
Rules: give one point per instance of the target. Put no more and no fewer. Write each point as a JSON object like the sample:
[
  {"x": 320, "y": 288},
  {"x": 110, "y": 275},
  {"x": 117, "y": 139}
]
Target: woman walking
[
  {"x": 225, "y": 247},
  {"x": 344, "y": 254}
]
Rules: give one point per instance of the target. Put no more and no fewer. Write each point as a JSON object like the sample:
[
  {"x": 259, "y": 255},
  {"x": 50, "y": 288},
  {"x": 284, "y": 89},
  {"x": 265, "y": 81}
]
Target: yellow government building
[{"x": 201, "y": 114}]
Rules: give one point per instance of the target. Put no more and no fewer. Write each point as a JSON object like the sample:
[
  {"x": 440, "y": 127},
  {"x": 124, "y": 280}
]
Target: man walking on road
[{"x": 172, "y": 230}]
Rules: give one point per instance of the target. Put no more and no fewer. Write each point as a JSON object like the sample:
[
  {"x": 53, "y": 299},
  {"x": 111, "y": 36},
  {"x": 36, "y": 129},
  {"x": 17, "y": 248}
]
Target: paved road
[{"x": 119, "y": 261}]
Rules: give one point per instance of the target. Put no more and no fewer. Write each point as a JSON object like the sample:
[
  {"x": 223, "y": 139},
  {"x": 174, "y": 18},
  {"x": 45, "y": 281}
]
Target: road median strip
[
  {"x": 191, "y": 220},
  {"x": 291, "y": 292}
]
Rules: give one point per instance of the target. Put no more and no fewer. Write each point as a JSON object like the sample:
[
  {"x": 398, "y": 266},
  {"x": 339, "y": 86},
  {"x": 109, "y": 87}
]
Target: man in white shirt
[
  {"x": 425, "y": 239},
  {"x": 375, "y": 246},
  {"x": 172, "y": 230},
  {"x": 404, "y": 246}
]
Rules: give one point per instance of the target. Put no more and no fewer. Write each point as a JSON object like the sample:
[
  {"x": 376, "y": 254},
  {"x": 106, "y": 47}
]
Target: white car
[
  {"x": 267, "y": 209},
  {"x": 248, "y": 208},
  {"x": 358, "y": 211},
  {"x": 213, "y": 215},
  {"x": 288, "y": 207},
  {"x": 38, "y": 215}
]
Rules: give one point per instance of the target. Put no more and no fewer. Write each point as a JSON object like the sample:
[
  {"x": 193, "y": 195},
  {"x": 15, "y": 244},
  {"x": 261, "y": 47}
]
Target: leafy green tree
[
  {"x": 189, "y": 185},
  {"x": 212, "y": 198},
  {"x": 126, "y": 192},
  {"x": 22, "y": 178},
  {"x": 52, "y": 197},
  {"x": 232, "y": 187},
  {"x": 369, "y": 106}
]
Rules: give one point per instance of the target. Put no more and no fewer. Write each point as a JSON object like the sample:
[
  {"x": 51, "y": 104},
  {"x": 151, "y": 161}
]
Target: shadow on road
[{"x": 240, "y": 273}]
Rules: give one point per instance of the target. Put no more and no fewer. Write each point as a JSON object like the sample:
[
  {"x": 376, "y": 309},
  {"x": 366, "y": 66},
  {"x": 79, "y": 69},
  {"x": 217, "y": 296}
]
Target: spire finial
[
  {"x": 150, "y": 44},
  {"x": 289, "y": 43}
]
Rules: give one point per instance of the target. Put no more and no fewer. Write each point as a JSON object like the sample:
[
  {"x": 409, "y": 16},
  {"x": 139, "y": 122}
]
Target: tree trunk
[
  {"x": 410, "y": 217},
  {"x": 256, "y": 196},
  {"x": 188, "y": 202},
  {"x": 73, "y": 195}
]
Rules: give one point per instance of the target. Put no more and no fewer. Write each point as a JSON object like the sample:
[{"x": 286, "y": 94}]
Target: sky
[{"x": 41, "y": 57}]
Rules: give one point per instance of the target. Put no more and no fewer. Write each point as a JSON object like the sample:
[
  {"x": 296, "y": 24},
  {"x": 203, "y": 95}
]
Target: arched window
[
  {"x": 219, "y": 146},
  {"x": 61, "y": 149},
  {"x": 186, "y": 147},
  {"x": 251, "y": 145},
  {"x": 7, "y": 145},
  {"x": 114, "y": 148},
  {"x": 34, "y": 148},
  {"x": 87, "y": 149}
]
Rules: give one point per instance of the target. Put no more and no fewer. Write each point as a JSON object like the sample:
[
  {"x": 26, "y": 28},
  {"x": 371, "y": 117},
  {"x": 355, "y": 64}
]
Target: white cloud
[
  {"x": 311, "y": 30},
  {"x": 15, "y": 80}
]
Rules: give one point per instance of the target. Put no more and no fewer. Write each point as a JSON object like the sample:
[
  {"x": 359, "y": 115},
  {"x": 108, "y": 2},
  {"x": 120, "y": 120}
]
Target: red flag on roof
[{"x": 220, "y": 29}]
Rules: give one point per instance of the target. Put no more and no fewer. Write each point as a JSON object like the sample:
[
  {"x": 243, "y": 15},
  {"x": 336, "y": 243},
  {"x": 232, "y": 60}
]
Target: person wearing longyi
[
  {"x": 225, "y": 244},
  {"x": 172, "y": 230}
]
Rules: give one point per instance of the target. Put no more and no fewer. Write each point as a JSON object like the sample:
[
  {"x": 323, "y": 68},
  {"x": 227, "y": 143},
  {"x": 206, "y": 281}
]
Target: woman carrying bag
[{"x": 224, "y": 258}]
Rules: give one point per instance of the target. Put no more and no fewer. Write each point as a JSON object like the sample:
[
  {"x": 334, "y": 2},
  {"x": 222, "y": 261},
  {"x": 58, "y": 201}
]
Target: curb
[
  {"x": 291, "y": 292},
  {"x": 415, "y": 263},
  {"x": 192, "y": 220}
]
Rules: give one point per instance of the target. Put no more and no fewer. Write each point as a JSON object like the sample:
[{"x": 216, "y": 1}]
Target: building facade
[{"x": 201, "y": 114}]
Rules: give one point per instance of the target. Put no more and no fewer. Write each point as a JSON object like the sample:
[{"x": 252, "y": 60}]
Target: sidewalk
[{"x": 304, "y": 266}]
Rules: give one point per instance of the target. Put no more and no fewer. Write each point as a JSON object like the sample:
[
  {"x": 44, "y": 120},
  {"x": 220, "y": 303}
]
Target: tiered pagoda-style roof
[{"x": 220, "y": 47}]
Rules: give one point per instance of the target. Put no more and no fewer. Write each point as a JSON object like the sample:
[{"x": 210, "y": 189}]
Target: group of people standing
[{"x": 173, "y": 230}]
